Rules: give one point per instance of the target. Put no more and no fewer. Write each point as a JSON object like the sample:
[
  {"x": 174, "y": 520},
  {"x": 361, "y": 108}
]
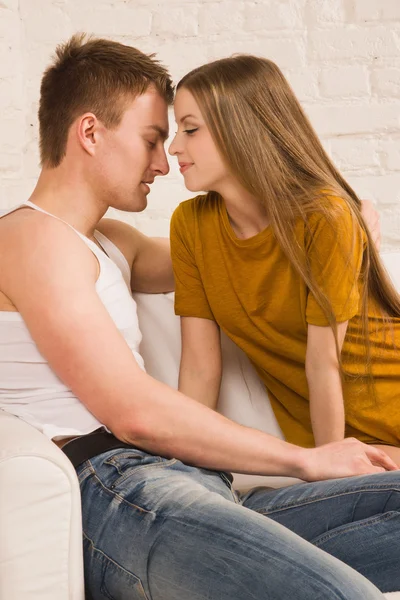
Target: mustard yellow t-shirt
[{"x": 249, "y": 288}]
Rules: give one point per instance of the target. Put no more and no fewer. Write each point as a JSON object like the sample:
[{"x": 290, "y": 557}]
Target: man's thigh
[
  {"x": 155, "y": 528},
  {"x": 129, "y": 500}
]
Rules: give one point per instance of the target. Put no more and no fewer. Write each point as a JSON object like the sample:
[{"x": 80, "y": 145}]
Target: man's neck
[{"x": 69, "y": 198}]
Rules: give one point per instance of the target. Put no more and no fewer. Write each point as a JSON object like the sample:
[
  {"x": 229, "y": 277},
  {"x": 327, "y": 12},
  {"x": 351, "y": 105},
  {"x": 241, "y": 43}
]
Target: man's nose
[{"x": 162, "y": 166}]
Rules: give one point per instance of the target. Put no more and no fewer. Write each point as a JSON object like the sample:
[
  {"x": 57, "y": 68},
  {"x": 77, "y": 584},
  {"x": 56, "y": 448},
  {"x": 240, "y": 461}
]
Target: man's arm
[
  {"x": 49, "y": 274},
  {"x": 201, "y": 366},
  {"x": 149, "y": 258}
]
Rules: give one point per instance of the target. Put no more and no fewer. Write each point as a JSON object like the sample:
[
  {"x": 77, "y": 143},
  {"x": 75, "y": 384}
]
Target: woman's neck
[{"x": 247, "y": 214}]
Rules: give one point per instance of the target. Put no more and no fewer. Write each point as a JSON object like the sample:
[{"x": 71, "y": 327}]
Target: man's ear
[{"x": 87, "y": 131}]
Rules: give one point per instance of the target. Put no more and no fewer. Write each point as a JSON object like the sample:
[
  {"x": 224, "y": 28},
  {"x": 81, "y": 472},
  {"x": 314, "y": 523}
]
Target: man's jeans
[{"x": 156, "y": 529}]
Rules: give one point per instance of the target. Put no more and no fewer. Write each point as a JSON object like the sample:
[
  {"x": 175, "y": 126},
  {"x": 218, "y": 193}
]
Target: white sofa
[{"x": 40, "y": 518}]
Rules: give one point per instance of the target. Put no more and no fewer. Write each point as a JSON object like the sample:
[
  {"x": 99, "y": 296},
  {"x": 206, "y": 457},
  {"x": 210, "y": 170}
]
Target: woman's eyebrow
[{"x": 186, "y": 117}]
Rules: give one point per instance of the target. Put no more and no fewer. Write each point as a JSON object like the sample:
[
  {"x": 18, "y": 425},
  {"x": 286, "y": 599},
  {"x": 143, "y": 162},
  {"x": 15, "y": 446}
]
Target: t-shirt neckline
[{"x": 251, "y": 241}]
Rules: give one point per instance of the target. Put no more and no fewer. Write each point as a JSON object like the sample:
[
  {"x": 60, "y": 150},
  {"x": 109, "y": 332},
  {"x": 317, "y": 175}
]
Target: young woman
[{"x": 278, "y": 256}]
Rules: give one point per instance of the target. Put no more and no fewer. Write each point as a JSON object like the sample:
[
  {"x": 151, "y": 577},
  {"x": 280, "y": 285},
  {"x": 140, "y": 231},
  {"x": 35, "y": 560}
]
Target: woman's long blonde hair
[{"x": 267, "y": 141}]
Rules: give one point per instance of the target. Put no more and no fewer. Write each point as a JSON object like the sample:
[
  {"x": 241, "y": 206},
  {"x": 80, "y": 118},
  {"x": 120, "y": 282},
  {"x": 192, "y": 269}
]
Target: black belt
[
  {"x": 87, "y": 446},
  {"x": 92, "y": 444}
]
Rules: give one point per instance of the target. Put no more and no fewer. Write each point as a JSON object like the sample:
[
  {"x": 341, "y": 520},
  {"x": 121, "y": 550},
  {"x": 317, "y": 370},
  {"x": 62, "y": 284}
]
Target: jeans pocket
[
  {"x": 122, "y": 460},
  {"x": 128, "y": 463}
]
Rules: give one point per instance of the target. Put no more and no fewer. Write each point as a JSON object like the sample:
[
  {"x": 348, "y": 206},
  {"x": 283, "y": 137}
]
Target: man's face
[{"x": 133, "y": 154}]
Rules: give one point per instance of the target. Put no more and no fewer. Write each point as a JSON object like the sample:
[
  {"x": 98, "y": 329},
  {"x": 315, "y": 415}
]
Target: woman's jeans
[{"x": 157, "y": 529}]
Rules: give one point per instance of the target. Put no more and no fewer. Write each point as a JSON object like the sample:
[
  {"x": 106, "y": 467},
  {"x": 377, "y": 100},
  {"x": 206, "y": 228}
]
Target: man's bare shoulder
[
  {"x": 37, "y": 230},
  {"x": 32, "y": 240},
  {"x": 17, "y": 218}
]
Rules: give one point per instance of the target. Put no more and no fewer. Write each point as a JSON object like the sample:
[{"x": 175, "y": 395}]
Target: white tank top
[{"x": 29, "y": 388}]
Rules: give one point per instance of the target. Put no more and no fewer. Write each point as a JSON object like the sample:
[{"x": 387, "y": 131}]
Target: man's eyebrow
[
  {"x": 186, "y": 117},
  {"x": 163, "y": 133}
]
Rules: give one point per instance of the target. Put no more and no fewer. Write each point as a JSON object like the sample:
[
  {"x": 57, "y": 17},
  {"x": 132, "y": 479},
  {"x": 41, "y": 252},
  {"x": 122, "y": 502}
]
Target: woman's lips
[{"x": 184, "y": 167}]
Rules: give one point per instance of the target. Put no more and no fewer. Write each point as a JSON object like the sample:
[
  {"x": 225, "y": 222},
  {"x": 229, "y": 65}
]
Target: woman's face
[{"x": 200, "y": 162}]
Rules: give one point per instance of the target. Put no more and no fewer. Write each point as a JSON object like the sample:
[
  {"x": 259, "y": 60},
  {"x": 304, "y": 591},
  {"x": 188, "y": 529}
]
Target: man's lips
[
  {"x": 146, "y": 185},
  {"x": 184, "y": 166}
]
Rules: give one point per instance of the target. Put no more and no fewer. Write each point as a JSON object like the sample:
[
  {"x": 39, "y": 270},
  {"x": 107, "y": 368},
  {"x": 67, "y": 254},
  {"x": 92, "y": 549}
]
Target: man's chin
[
  {"x": 138, "y": 206},
  {"x": 141, "y": 208},
  {"x": 138, "y": 202}
]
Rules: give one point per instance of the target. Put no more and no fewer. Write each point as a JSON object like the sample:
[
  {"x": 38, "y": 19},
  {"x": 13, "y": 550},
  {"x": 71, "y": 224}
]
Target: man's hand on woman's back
[{"x": 372, "y": 219}]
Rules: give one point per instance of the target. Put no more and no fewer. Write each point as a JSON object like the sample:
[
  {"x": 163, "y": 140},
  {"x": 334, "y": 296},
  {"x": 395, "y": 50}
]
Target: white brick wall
[{"x": 342, "y": 57}]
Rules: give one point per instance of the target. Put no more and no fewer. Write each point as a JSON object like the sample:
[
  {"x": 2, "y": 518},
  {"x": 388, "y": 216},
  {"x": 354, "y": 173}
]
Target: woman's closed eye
[{"x": 190, "y": 131}]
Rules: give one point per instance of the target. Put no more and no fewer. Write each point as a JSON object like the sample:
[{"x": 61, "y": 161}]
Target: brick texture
[{"x": 342, "y": 58}]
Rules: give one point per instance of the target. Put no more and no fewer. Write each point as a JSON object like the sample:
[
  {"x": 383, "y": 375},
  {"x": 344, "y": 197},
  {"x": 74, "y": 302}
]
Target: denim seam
[
  {"x": 116, "y": 495},
  {"x": 119, "y": 452},
  {"x": 85, "y": 473},
  {"x": 113, "y": 460},
  {"x": 116, "y": 564},
  {"x": 373, "y": 488},
  {"x": 357, "y": 525},
  {"x": 113, "y": 463}
]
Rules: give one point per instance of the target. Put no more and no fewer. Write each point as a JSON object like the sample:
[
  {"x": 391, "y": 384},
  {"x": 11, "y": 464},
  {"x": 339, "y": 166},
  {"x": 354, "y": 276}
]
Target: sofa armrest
[{"x": 40, "y": 517}]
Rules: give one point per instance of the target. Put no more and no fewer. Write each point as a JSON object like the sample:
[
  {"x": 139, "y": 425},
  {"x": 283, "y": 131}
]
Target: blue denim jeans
[{"x": 157, "y": 529}]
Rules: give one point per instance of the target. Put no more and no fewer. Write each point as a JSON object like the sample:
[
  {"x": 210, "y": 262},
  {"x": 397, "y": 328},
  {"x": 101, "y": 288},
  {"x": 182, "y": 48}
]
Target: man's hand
[
  {"x": 372, "y": 219},
  {"x": 346, "y": 458}
]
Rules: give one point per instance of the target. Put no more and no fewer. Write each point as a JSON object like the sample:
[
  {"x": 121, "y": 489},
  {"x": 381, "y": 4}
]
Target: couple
[{"x": 160, "y": 517}]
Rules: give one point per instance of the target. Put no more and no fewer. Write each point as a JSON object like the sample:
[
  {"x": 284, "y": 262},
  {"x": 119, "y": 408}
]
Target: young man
[{"x": 160, "y": 519}]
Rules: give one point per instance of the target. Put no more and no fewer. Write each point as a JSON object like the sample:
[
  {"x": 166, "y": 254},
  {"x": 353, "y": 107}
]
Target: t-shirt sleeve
[
  {"x": 190, "y": 296},
  {"x": 335, "y": 251}
]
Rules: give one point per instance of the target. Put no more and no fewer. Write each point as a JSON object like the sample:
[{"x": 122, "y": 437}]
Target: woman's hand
[{"x": 344, "y": 459}]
